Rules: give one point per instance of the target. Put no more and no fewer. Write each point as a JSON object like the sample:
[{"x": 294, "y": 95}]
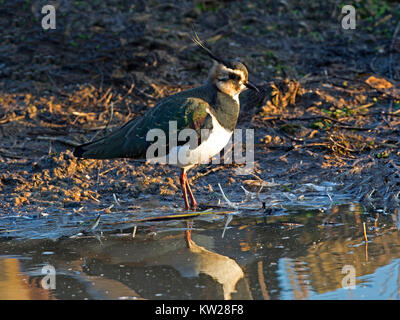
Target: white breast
[{"x": 216, "y": 141}]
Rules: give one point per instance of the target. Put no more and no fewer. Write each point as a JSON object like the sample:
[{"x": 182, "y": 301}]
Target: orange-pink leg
[
  {"x": 185, "y": 187},
  {"x": 192, "y": 199},
  {"x": 183, "y": 180}
]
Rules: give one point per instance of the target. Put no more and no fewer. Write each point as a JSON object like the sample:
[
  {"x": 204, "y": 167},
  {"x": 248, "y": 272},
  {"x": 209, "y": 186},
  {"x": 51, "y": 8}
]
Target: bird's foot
[{"x": 193, "y": 207}]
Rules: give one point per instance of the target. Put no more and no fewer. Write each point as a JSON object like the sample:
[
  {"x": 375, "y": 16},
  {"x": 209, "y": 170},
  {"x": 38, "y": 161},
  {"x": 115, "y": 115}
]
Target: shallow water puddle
[{"x": 302, "y": 254}]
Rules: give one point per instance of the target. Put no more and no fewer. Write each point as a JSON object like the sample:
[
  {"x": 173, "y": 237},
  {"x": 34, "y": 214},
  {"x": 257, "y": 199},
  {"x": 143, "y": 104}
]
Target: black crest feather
[{"x": 200, "y": 43}]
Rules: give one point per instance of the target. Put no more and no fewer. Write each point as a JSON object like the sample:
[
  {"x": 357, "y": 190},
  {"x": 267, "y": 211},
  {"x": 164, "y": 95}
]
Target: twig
[
  {"x": 102, "y": 127},
  {"x": 129, "y": 91},
  {"x": 169, "y": 217},
  {"x": 352, "y": 128},
  {"x": 344, "y": 147},
  {"x": 59, "y": 139},
  {"x": 108, "y": 123},
  {"x": 366, "y": 242},
  {"x": 199, "y": 175},
  {"x": 96, "y": 223},
  {"x": 116, "y": 200},
  {"x": 134, "y": 231},
  {"x": 93, "y": 198},
  {"x": 7, "y": 154},
  {"x": 376, "y": 221},
  {"x": 228, "y": 220},
  {"x": 104, "y": 96},
  {"x": 337, "y": 123},
  {"x": 230, "y": 204},
  {"x": 393, "y": 114},
  {"x": 4, "y": 119},
  {"x": 301, "y": 118},
  {"x": 310, "y": 145}
]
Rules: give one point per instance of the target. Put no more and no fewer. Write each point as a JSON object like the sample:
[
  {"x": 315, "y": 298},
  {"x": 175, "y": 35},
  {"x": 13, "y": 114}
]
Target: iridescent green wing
[{"x": 170, "y": 116}]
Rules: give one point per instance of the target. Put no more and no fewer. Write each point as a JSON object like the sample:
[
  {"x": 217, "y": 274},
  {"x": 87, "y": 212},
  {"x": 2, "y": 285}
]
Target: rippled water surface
[{"x": 298, "y": 254}]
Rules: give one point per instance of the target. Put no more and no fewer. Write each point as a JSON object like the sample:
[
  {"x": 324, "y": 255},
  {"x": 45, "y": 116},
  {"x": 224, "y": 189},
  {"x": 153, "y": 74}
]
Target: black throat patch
[{"x": 226, "y": 110}]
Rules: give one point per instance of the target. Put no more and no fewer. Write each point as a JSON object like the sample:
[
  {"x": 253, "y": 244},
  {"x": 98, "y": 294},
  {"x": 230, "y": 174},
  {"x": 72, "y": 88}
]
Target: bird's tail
[
  {"x": 104, "y": 148},
  {"x": 108, "y": 147}
]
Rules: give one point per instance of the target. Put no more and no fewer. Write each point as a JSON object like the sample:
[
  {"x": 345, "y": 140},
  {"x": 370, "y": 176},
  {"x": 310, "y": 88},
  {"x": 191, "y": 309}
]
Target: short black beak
[{"x": 251, "y": 86}]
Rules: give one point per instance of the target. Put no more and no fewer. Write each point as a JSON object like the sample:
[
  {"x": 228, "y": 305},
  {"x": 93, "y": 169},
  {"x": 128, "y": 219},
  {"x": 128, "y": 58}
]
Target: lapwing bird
[{"x": 209, "y": 112}]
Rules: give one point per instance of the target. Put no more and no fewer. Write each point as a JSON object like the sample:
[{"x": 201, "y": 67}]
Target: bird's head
[{"x": 230, "y": 77}]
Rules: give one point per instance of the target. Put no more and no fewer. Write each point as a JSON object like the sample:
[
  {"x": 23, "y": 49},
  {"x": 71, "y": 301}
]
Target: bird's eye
[{"x": 234, "y": 76}]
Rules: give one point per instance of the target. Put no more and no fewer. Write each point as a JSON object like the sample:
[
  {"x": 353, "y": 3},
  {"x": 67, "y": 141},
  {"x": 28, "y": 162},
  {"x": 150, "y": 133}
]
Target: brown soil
[{"x": 329, "y": 109}]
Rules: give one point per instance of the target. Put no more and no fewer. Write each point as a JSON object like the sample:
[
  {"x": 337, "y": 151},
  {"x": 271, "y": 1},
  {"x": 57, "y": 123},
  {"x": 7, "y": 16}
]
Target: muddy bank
[{"x": 328, "y": 112}]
